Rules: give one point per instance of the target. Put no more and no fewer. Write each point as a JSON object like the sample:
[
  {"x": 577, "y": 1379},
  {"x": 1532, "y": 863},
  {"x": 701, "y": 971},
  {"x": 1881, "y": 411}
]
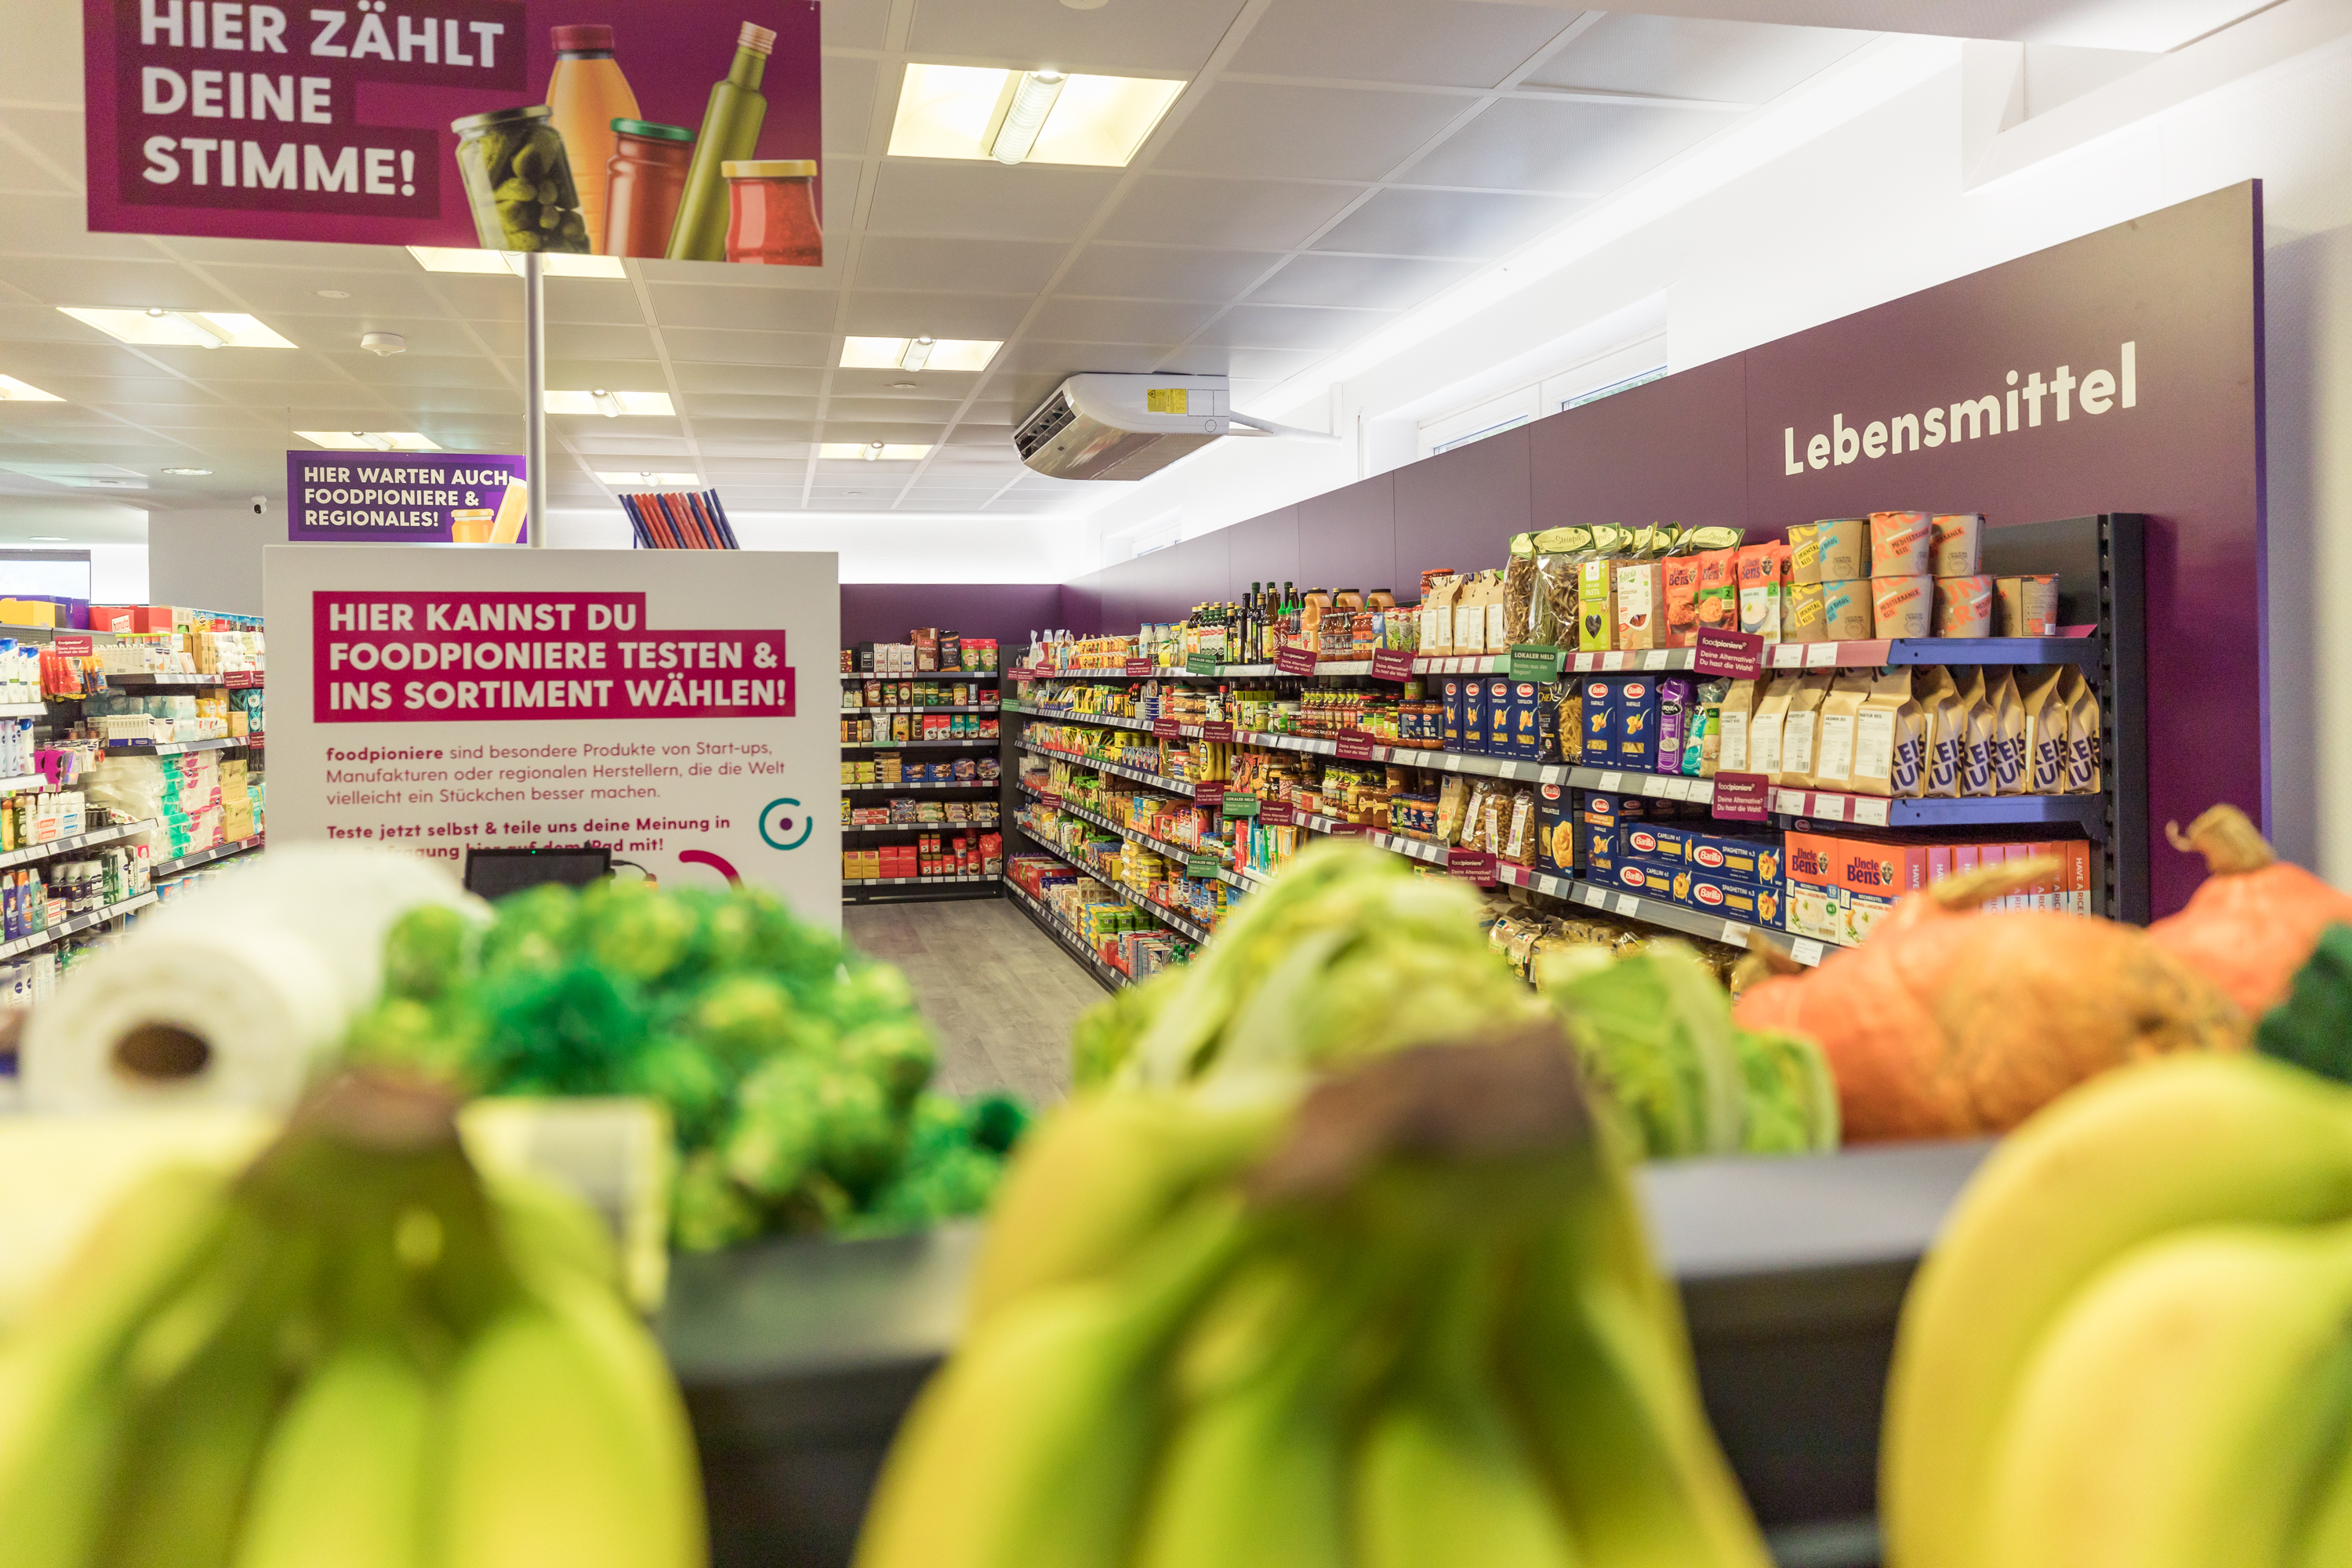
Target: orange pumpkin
[
  {"x": 2254, "y": 920},
  {"x": 1953, "y": 1021}
]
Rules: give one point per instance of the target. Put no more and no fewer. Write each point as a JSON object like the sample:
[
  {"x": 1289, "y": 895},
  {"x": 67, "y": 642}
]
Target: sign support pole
[{"x": 535, "y": 390}]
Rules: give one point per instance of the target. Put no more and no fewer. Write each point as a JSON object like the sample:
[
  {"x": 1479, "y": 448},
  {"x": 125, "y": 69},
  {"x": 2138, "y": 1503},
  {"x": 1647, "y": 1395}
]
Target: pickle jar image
[{"x": 518, "y": 182}]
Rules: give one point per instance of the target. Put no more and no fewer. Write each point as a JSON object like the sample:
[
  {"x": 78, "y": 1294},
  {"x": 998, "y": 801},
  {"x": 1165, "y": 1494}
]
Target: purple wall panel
[
  {"x": 1713, "y": 445},
  {"x": 1009, "y": 612},
  {"x": 1670, "y": 452},
  {"x": 1465, "y": 503},
  {"x": 1348, "y": 539}
]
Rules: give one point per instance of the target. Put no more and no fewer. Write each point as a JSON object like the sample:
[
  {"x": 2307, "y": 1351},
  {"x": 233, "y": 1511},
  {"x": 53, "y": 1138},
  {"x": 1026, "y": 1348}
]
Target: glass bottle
[{"x": 731, "y": 132}]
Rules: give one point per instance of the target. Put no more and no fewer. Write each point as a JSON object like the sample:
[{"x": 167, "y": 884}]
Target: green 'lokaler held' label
[{"x": 1534, "y": 662}]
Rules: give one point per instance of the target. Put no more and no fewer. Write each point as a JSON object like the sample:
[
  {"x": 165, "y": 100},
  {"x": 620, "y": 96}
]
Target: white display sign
[{"x": 678, "y": 708}]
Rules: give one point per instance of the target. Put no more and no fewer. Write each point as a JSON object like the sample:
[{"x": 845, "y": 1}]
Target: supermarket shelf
[
  {"x": 1161, "y": 846},
  {"x": 25, "y": 710},
  {"x": 80, "y": 923},
  {"x": 1693, "y": 922},
  {"x": 1109, "y": 978},
  {"x": 917, "y": 881},
  {"x": 894, "y": 788},
  {"x": 973, "y": 675},
  {"x": 202, "y": 856},
  {"x": 242, "y": 679},
  {"x": 177, "y": 748},
  {"x": 1173, "y": 786},
  {"x": 848, "y": 828},
  {"x": 926, "y": 708},
  {"x": 1182, "y": 924},
  {"x": 969, "y": 743},
  {"x": 55, "y": 846},
  {"x": 24, "y": 782},
  {"x": 2087, "y": 812}
]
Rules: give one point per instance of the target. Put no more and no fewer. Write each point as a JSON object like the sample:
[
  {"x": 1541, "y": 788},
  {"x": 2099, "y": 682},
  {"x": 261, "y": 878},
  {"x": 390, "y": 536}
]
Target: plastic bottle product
[
  {"x": 645, "y": 176},
  {"x": 731, "y": 132},
  {"x": 585, "y": 94},
  {"x": 771, "y": 212}
]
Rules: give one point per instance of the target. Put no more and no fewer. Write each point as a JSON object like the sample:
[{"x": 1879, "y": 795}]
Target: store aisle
[{"x": 1001, "y": 994}]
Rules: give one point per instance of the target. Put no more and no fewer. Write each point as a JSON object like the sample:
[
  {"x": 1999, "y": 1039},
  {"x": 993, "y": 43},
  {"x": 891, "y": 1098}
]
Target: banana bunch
[
  {"x": 349, "y": 1355},
  {"x": 2132, "y": 1345},
  {"x": 1408, "y": 1319}
]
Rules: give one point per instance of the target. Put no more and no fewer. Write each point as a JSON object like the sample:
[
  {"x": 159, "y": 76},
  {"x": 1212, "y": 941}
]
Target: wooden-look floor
[{"x": 1001, "y": 995}]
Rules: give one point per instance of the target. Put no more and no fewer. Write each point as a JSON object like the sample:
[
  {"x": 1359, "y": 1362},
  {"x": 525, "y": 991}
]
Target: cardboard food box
[
  {"x": 1901, "y": 543},
  {"x": 1957, "y": 543},
  {"x": 1843, "y": 547},
  {"x": 1634, "y": 722},
  {"x": 1845, "y": 611},
  {"x": 1640, "y": 605},
  {"x": 1964, "y": 606},
  {"x": 1804, "y": 553},
  {"x": 1901, "y": 607},
  {"x": 1803, "y": 623},
  {"x": 1600, "y": 719},
  {"x": 2026, "y": 607},
  {"x": 1596, "y": 605}
]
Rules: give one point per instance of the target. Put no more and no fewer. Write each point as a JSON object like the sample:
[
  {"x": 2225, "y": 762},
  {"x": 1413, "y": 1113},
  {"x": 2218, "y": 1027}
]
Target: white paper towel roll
[{"x": 231, "y": 996}]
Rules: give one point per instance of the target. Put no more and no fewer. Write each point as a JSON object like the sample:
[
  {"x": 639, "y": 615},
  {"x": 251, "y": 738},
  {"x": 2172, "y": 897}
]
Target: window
[
  {"x": 1597, "y": 393},
  {"x": 1513, "y": 423}
]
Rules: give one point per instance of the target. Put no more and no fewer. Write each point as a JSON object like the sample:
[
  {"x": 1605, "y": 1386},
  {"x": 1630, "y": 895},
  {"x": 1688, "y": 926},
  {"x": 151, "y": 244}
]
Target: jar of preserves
[
  {"x": 773, "y": 220},
  {"x": 644, "y": 179}
]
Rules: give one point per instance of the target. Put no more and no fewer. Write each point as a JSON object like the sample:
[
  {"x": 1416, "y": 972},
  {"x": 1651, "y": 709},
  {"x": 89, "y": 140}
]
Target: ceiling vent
[{"x": 1102, "y": 426}]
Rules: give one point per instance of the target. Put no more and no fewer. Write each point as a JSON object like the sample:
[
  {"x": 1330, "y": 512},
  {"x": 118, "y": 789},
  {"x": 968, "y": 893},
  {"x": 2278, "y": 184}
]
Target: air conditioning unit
[{"x": 1105, "y": 427}]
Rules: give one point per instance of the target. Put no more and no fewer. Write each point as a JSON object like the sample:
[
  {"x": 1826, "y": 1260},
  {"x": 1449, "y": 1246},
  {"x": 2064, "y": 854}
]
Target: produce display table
[{"x": 799, "y": 1358}]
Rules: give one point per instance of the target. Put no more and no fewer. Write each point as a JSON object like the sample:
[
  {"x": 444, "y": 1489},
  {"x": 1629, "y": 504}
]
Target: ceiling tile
[
  {"x": 1268, "y": 365},
  {"x": 1585, "y": 149},
  {"x": 1446, "y": 223},
  {"x": 578, "y": 342},
  {"x": 1119, "y": 320},
  {"x": 854, "y": 24},
  {"x": 943, "y": 315},
  {"x": 765, "y": 380},
  {"x": 982, "y": 197},
  {"x": 54, "y": 225},
  {"x": 1292, "y": 327},
  {"x": 1246, "y": 129},
  {"x": 704, "y": 405},
  {"x": 626, "y": 446},
  {"x": 893, "y": 408},
  {"x": 1679, "y": 57},
  {"x": 931, "y": 385},
  {"x": 1155, "y": 272},
  {"x": 1446, "y": 43},
  {"x": 759, "y": 309},
  {"x": 113, "y": 389},
  {"x": 786, "y": 432},
  {"x": 1382, "y": 282},
  {"x": 968, "y": 265},
  {"x": 126, "y": 285},
  {"x": 749, "y": 348},
  {"x": 191, "y": 416},
  {"x": 848, "y": 106},
  {"x": 1155, "y": 39},
  {"x": 897, "y": 433},
  {"x": 1265, "y": 214}
]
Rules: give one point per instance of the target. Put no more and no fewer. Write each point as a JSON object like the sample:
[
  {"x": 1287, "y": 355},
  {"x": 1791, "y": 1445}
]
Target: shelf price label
[
  {"x": 1789, "y": 655},
  {"x": 1354, "y": 746},
  {"x": 1822, "y": 655},
  {"x": 1337, "y": 828},
  {"x": 1736, "y": 655},
  {"x": 1276, "y": 814},
  {"x": 1049, "y": 800},
  {"x": 1200, "y": 664},
  {"x": 1209, "y": 795},
  {"x": 1235, "y": 805},
  {"x": 1535, "y": 662},
  {"x": 1202, "y": 865},
  {"x": 70, "y": 646},
  {"x": 1295, "y": 661},
  {"x": 1217, "y": 734},
  {"x": 1742, "y": 797},
  {"x": 1392, "y": 664},
  {"x": 1138, "y": 668},
  {"x": 1476, "y": 865},
  {"x": 1164, "y": 729}
]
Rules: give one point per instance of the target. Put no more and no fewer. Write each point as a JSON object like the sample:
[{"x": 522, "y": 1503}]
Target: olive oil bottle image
[{"x": 730, "y": 132}]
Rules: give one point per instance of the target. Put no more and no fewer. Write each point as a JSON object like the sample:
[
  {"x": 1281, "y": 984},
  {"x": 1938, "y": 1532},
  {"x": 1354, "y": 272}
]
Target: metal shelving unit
[{"x": 922, "y": 890}]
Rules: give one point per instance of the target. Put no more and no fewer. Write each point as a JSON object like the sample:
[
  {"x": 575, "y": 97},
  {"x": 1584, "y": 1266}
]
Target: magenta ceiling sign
[{"x": 550, "y": 125}]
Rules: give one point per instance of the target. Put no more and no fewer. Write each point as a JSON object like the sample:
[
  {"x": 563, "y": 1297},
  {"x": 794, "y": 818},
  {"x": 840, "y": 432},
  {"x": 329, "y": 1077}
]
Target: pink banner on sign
[
  {"x": 467, "y": 658},
  {"x": 346, "y": 123},
  {"x": 1392, "y": 664},
  {"x": 1740, "y": 655},
  {"x": 1742, "y": 797}
]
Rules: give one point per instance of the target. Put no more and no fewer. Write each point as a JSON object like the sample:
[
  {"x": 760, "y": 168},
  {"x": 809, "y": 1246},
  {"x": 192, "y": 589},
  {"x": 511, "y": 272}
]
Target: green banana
[
  {"x": 1030, "y": 1449},
  {"x": 546, "y": 1228},
  {"x": 1092, "y": 1180},
  {"x": 1254, "y": 1473},
  {"x": 1612, "y": 1407},
  {"x": 64, "y": 1397},
  {"x": 546, "y": 1458},
  {"x": 2326, "y": 1538},
  {"x": 1442, "y": 1479},
  {"x": 2184, "y": 1410},
  {"x": 2132, "y": 1156},
  {"x": 343, "y": 1480}
]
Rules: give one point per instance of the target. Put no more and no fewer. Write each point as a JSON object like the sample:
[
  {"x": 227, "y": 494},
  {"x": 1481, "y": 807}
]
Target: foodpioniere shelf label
[{"x": 442, "y": 700}]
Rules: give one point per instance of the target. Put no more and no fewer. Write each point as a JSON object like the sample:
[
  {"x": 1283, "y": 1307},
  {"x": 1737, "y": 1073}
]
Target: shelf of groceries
[
  {"x": 48, "y": 935},
  {"x": 1112, "y": 939},
  {"x": 1132, "y": 873},
  {"x": 189, "y": 862}
]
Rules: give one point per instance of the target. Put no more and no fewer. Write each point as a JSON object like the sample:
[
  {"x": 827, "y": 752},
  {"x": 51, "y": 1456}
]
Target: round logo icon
[{"x": 784, "y": 826}]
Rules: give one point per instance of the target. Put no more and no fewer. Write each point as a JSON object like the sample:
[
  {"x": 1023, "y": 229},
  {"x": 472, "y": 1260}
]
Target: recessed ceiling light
[
  {"x": 611, "y": 405},
  {"x": 333, "y": 294},
  {"x": 14, "y": 391},
  {"x": 439, "y": 258},
  {"x": 902, "y": 386},
  {"x": 892, "y": 353},
  {"x": 1036, "y": 117},
  {"x": 47, "y": 539},
  {"x": 370, "y": 440},
  {"x": 189, "y": 473},
  {"x": 188, "y": 328},
  {"x": 642, "y": 480},
  {"x": 872, "y": 451}
]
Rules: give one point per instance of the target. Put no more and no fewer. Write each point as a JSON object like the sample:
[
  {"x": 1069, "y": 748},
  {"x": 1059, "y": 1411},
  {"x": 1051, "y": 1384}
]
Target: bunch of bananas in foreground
[
  {"x": 351, "y": 1355},
  {"x": 1409, "y": 1322},
  {"x": 2132, "y": 1346}
]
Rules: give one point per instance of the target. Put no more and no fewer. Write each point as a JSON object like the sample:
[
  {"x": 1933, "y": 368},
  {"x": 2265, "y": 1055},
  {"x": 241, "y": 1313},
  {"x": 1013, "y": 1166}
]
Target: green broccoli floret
[
  {"x": 535, "y": 929},
  {"x": 897, "y": 1053},
  {"x": 707, "y": 1210},
  {"x": 801, "y": 1115},
  {"x": 428, "y": 953},
  {"x": 635, "y": 930},
  {"x": 573, "y": 1031}
]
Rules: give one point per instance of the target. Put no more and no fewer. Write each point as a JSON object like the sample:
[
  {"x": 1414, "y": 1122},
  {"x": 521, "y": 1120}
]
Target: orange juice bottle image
[{"x": 586, "y": 94}]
